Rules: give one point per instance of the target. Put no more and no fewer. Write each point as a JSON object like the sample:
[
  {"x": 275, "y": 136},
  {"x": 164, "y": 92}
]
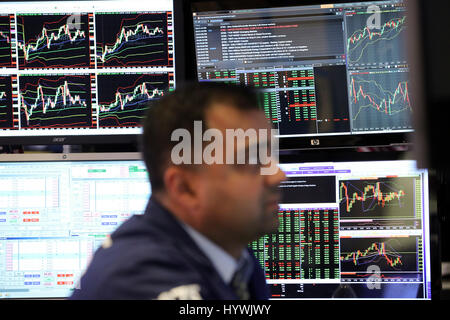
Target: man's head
[{"x": 226, "y": 202}]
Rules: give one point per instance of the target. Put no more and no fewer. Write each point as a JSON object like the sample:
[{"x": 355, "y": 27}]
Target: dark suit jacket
[{"x": 152, "y": 254}]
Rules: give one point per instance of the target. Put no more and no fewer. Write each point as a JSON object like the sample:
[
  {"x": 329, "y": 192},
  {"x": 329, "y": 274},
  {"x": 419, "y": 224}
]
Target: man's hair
[{"x": 178, "y": 110}]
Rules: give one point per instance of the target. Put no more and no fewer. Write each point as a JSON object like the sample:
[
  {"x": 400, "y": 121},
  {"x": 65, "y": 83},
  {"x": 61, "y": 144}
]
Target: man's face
[{"x": 237, "y": 199}]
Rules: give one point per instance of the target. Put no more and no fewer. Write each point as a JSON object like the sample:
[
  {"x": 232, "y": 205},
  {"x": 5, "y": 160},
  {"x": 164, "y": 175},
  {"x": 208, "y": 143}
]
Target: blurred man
[{"x": 191, "y": 242}]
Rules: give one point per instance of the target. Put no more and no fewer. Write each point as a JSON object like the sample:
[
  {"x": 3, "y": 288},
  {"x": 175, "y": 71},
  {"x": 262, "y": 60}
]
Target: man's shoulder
[
  {"x": 137, "y": 268},
  {"x": 139, "y": 261}
]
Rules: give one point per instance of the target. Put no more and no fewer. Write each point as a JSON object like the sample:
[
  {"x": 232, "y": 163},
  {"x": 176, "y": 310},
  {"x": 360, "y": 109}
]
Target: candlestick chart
[
  {"x": 397, "y": 258},
  {"x": 6, "y": 41},
  {"x": 55, "y": 101},
  {"x": 53, "y": 41},
  {"x": 380, "y": 100},
  {"x": 124, "y": 98},
  {"x": 131, "y": 40},
  {"x": 379, "y": 45},
  {"x": 6, "y": 110},
  {"x": 377, "y": 198}
]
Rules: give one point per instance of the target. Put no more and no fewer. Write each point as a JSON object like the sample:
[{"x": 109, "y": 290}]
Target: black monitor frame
[{"x": 286, "y": 143}]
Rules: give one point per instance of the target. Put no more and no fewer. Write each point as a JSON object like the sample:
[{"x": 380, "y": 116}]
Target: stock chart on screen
[
  {"x": 49, "y": 41},
  {"x": 123, "y": 98},
  {"x": 6, "y": 112},
  {"x": 350, "y": 230},
  {"x": 7, "y": 43},
  {"x": 135, "y": 40},
  {"x": 376, "y": 46},
  {"x": 322, "y": 70},
  {"x": 82, "y": 68},
  {"x": 56, "y": 101}
]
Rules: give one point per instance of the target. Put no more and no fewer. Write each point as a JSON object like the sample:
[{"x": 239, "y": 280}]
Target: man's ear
[{"x": 180, "y": 187}]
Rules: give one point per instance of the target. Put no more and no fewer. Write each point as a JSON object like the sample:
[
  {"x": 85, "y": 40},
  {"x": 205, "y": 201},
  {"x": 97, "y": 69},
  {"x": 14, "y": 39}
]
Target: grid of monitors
[
  {"x": 82, "y": 68},
  {"x": 350, "y": 230},
  {"x": 322, "y": 70}
]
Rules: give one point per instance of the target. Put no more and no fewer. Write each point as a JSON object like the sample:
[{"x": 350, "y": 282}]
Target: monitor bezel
[
  {"x": 69, "y": 157},
  {"x": 286, "y": 143}
]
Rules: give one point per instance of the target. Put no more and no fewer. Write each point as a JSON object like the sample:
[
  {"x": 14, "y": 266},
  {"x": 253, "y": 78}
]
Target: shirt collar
[{"x": 224, "y": 263}]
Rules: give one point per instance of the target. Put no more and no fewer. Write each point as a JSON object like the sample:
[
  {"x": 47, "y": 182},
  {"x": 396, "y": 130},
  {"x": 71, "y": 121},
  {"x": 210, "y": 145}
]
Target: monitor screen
[
  {"x": 79, "y": 70},
  {"x": 350, "y": 230},
  {"x": 347, "y": 229},
  {"x": 322, "y": 70},
  {"x": 55, "y": 211}
]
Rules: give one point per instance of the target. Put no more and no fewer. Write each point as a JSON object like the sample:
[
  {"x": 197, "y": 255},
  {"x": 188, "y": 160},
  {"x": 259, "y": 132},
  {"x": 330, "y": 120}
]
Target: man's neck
[{"x": 219, "y": 237}]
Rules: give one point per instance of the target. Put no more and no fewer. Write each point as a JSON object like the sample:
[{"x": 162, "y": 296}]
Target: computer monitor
[
  {"x": 81, "y": 72},
  {"x": 347, "y": 229},
  {"x": 355, "y": 230},
  {"x": 56, "y": 210},
  {"x": 330, "y": 73}
]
